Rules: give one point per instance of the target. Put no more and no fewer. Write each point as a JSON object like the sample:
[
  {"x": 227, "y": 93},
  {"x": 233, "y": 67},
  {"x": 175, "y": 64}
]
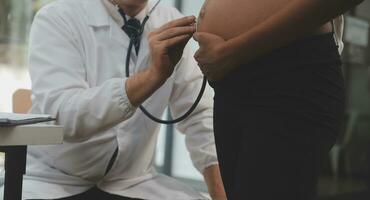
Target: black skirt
[{"x": 276, "y": 118}]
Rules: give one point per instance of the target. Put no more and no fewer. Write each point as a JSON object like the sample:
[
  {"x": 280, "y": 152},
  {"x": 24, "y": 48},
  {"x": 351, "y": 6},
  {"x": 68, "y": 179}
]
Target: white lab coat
[{"x": 77, "y": 53}]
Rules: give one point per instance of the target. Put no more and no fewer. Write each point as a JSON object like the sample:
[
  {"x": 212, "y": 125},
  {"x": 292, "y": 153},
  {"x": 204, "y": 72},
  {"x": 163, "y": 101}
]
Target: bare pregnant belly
[{"x": 230, "y": 18}]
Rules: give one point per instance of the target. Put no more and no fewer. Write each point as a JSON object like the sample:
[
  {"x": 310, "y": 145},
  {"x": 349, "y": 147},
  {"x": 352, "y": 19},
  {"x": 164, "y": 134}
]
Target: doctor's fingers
[
  {"x": 185, "y": 21},
  {"x": 176, "y": 41},
  {"x": 176, "y": 31}
]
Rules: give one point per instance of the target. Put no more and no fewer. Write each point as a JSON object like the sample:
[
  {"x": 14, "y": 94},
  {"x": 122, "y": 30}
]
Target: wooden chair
[{"x": 22, "y": 101}]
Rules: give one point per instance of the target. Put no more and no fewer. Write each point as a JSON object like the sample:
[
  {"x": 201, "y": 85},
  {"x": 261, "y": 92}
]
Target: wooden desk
[{"x": 14, "y": 142}]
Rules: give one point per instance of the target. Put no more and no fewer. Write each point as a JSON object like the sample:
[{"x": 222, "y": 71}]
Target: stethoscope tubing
[
  {"x": 147, "y": 113},
  {"x": 142, "y": 108}
]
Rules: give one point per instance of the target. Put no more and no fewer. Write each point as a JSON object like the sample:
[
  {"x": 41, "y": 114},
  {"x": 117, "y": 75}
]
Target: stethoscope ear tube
[{"x": 148, "y": 114}]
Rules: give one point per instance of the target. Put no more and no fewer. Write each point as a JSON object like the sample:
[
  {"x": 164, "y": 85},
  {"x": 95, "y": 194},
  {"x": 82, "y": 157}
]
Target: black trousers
[
  {"x": 96, "y": 194},
  {"x": 276, "y": 119}
]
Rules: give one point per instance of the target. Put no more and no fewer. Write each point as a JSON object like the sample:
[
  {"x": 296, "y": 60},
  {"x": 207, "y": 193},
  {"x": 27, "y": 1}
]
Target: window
[
  {"x": 191, "y": 7},
  {"x": 182, "y": 165},
  {"x": 15, "y": 21},
  {"x": 169, "y": 2},
  {"x": 177, "y": 162}
]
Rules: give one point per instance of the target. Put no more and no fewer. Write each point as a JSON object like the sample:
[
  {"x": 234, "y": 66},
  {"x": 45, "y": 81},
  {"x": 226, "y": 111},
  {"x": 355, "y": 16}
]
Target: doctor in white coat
[{"x": 77, "y": 66}]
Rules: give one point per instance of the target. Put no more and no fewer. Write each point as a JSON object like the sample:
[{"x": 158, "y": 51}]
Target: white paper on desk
[
  {"x": 12, "y": 119},
  {"x": 15, "y": 116}
]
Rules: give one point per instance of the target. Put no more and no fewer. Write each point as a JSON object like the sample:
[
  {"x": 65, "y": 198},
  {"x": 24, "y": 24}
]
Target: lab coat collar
[
  {"x": 97, "y": 15},
  {"x": 113, "y": 12},
  {"x": 101, "y": 12}
]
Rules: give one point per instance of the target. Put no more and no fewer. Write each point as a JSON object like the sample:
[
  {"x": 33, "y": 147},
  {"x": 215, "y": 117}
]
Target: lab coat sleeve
[
  {"x": 198, "y": 127},
  {"x": 59, "y": 82}
]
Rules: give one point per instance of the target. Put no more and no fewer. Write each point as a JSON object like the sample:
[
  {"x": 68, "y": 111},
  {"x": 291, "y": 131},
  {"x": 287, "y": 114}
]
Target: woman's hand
[
  {"x": 167, "y": 44},
  {"x": 213, "y": 57}
]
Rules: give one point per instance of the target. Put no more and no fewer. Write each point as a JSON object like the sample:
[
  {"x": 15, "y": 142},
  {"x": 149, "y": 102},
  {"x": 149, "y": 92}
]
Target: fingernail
[{"x": 191, "y": 17}]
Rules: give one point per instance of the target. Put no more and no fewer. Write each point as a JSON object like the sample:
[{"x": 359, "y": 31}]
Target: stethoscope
[{"x": 128, "y": 57}]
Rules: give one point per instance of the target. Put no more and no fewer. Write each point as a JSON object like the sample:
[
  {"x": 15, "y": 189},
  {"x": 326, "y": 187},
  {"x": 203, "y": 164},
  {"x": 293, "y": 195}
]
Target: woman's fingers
[{"x": 200, "y": 55}]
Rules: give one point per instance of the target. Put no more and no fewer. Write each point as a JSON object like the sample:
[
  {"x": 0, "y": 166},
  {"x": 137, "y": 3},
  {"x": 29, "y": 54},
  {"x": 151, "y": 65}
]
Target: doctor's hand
[
  {"x": 213, "y": 56},
  {"x": 166, "y": 47},
  {"x": 214, "y": 182},
  {"x": 167, "y": 44}
]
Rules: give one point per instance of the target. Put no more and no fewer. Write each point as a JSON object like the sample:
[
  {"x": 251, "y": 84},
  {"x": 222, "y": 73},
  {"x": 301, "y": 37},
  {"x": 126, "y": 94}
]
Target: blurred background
[{"x": 346, "y": 174}]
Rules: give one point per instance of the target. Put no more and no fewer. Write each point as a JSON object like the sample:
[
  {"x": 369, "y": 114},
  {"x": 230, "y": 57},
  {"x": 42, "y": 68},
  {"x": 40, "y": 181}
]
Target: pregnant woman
[{"x": 279, "y": 94}]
